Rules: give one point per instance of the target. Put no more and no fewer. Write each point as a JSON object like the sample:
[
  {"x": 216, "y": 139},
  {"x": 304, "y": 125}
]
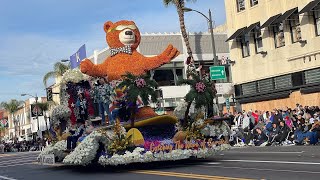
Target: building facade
[
  {"x": 275, "y": 44},
  {"x": 168, "y": 75},
  {"x": 23, "y": 125}
]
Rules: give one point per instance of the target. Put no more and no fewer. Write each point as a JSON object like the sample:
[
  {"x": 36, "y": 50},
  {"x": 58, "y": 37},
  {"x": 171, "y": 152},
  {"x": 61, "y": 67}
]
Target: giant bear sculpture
[{"x": 123, "y": 38}]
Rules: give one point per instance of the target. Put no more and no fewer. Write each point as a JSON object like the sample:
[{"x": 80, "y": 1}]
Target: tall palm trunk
[{"x": 180, "y": 5}]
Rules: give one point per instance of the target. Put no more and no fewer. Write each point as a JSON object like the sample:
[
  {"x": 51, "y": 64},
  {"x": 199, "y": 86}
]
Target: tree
[
  {"x": 179, "y": 4},
  {"x": 201, "y": 93},
  {"x": 12, "y": 107},
  {"x": 58, "y": 70},
  {"x": 138, "y": 86}
]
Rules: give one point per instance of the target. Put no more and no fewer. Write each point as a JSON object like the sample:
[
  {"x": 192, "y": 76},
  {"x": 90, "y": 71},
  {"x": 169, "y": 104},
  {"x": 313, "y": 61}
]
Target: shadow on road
[{"x": 96, "y": 168}]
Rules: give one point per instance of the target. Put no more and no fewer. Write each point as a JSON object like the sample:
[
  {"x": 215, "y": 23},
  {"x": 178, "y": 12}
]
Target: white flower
[
  {"x": 56, "y": 149},
  {"x": 74, "y": 75}
]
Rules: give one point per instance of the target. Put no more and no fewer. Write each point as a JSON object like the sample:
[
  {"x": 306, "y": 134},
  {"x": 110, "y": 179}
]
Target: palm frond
[
  {"x": 60, "y": 68},
  {"x": 47, "y": 76}
]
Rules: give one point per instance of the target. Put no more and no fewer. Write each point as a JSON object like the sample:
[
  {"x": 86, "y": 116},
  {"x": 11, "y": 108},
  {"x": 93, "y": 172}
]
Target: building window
[
  {"x": 254, "y": 2},
  {"x": 317, "y": 19},
  {"x": 245, "y": 45},
  {"x": 258, "y": 40},
  {"x": 295, "y": 28},
  {"x": 241, "y": 5},
  {"x": 279, "y": 35},
  {"x": 165, "y": 77}
]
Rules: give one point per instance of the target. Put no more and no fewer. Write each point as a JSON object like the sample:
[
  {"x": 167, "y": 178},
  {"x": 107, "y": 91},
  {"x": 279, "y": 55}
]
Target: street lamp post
[
  {"x": 37, "y": 117},
  {"x": 214, "y": 53}
]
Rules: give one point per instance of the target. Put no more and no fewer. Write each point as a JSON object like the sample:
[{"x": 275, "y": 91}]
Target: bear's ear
[{"x": 107, "y": 26}]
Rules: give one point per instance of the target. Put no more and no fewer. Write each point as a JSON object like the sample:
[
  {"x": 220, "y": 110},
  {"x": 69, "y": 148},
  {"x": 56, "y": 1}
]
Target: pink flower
[
  {"x": 200, "y": 87},
  {"x": 140, "y": 83}
]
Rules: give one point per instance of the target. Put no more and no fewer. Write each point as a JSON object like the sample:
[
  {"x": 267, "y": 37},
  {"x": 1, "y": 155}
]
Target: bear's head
[{"x": 122, "y": 33}]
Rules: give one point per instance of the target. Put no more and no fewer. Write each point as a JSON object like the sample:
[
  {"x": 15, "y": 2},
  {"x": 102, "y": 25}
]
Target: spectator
[
  {"x": 273, "y": 132},
  {"x": 283, "y": 132},
  {"x": 313, "y": 134},
  {"x": 260, "y": 137},
  {"x": 2, "y": 147}
]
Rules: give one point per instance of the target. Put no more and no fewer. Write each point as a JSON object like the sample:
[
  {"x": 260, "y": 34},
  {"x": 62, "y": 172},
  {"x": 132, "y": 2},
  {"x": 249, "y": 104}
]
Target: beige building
[{"x": 275, "y": 44}]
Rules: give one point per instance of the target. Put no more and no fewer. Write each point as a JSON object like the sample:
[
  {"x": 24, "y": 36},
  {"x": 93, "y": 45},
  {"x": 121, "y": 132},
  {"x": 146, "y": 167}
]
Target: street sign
[
  {"x": 217, "y": 72},
  {"x": 228, "y": 104}
]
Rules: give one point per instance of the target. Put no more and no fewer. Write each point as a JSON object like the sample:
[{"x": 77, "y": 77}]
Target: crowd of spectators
[
  {"x": 23, "y": 146},
  {"x": 297, "y": 126}
]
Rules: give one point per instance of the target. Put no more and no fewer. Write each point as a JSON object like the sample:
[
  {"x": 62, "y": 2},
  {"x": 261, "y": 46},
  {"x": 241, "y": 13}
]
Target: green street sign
[{"x": 217, "y": 72}]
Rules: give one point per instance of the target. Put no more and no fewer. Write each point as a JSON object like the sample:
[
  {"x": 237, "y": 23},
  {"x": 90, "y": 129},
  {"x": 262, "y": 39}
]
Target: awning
[
  {"x": 310, "y": 6},
  {"x": 238, "y": 33},
  {"x": 251, "y": 27},
  {"x": 270, "y": 21},
  {"x": 286, "y": 15}
]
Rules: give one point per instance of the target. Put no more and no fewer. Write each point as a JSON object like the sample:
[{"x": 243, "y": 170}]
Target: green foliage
[
  {"x": 59, "y": 69},
  {"x": 200, "y": 98},
  {"x": 12, "y": 106},
  {"x": 133, "y": 91}
]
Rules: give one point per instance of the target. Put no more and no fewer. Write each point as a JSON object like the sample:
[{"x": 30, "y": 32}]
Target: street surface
[{"x": 293, "y": 162}]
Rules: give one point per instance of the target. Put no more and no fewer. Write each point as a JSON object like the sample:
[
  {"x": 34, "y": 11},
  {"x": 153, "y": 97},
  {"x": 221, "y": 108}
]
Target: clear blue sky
[{"x": 35, "y": 34}]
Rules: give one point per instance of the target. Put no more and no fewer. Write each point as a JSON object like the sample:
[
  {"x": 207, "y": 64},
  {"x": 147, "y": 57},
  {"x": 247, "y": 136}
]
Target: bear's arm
[
  {"x": 165, "y": 57},
  {"x": 99, "y": 70}
]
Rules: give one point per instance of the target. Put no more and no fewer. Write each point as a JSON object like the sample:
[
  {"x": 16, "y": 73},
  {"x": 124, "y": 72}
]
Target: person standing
[
  {"x": 105, "y": 91},
  {"x": 83, "y": 107}
]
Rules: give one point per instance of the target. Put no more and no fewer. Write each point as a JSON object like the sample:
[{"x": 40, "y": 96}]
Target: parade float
[{"x": 139, "y": 135}]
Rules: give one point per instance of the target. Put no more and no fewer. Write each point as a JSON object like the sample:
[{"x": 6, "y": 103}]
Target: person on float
[
  {"x": 88, "y": 128},
  {"x": 82, "y": 104},
  {"x": 104, "y": 91},
  {"x": 72, "y": 140}
]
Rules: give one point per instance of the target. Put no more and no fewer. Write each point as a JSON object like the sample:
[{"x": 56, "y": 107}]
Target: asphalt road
[{"x": 294, "y": 162}]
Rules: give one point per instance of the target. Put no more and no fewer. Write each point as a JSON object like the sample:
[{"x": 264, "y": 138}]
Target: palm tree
[
  {"x": 58, "y": 70},
  {"x": 12, "y": 107},
  {"x": 137, "y": 86},
  {"x": 180, "y": 5},
  {"x": 201, "y": 92}
]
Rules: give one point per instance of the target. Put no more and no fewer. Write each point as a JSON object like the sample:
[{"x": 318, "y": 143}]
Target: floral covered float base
[{"x": 142, "y": 144}]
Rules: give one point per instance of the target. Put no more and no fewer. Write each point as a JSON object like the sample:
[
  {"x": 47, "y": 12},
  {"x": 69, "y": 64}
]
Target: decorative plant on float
[
  {"x": 201, "y": 93},
  {"x": 138, "y": 86},
  {"x": 120, "y": 142}
]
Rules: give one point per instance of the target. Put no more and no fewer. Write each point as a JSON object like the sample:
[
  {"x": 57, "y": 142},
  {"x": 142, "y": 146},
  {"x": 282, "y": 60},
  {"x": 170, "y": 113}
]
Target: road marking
[
  {"x": 12, "y": 165},
  {"x": 230, "y": 152},
  {"x": 6, "y": 178},
  {"x": 5, "y": 155},
  {"x": 16, "y": 161},
  {"x": 275, "y": 162},
  {"x": 186, "y": 175},
  {"x": 257, "y": 169}
]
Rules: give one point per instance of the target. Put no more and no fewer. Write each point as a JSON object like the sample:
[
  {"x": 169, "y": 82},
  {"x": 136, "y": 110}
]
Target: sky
[{"x": 34, "y": 34}]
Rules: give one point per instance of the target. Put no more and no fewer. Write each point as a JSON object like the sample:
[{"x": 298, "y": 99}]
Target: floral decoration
[
  {"x": 200, "y": 87},
  {"x": 140, "y": 156},
  {"x": 140, "y": 83},
  {"x": 86, "y": 151},
  {"x": 57, "y": 149},
  {"x": 60, "y": 112},
  {"x": 74, "y": 76}
]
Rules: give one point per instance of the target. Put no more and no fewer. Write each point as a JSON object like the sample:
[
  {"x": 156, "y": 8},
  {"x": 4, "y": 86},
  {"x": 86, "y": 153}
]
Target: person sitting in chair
[
  {"x": 88, "y": 129},
  {"x": 72, "y": 140}
]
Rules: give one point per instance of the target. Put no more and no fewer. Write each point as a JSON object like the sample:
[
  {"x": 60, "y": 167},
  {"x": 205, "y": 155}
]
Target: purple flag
[{"x": 77, "y": 57}]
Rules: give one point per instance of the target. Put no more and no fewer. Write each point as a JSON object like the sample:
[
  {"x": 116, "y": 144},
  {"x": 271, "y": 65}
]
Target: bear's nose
[{"x": 128, "y": 33}]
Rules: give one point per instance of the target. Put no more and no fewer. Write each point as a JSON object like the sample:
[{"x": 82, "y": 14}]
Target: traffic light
[{"x": 49, "y": 94}]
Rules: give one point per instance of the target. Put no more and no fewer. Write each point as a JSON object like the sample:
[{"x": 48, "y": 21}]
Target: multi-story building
[
  {"x": 24, "y": 125},
  {"x": 167, "y": 75},
  {"x": 275, "y": 44}
]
